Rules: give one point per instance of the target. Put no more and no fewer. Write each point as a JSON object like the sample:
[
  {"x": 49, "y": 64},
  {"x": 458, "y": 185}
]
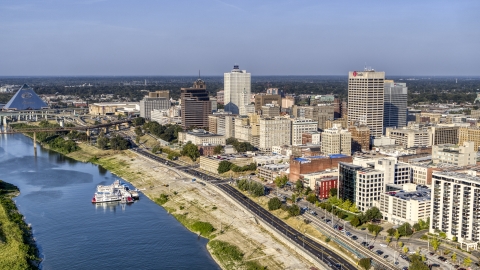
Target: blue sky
[{"x": 179, "y": 37}]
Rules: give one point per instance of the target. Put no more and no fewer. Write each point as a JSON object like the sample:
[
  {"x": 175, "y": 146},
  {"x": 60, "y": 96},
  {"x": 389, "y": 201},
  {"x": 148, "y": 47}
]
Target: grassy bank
[{"x": 17, "y": 248}]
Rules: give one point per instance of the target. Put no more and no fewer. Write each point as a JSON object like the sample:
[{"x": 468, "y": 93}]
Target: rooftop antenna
[{"x": 199, "y": 73}]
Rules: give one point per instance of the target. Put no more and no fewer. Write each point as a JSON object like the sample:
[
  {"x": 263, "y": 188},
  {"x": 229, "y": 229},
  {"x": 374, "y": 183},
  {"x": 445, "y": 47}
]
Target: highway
[{"x": 318, "y": 250}]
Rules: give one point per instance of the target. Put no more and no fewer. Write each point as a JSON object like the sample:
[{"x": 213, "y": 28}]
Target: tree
[
  {"x": 119, "y": 143},
  {"x": 139, "y": 121},
  {"x": 294, "y": 210},
  {"x": 388, "y": 240},
  {"x": 467, "y": 261},
  {"x": 311, "y": 198},
  {"x": 353, "y": 208},
  {"x": 435, "y": 243},
  {"x": 138, "y": 131},
  {"x": 454, "y": 257},
  {"x": 218, "y": 149},
  {"x": 190, "y": 150},
  {"x": 102, "y": 142},
  {"x": 346, "y": 205},
  {"x": 396, "y": 235},
  {"x": 391, "y": 231},
  {"x": 280, "y": 181},
  {"x": 299, "y": 185},
  {"x": 417, "y": 263},
  {"x": 405, "y": 229},
  {"x": 333, "y": 192},
  {"x": 355, "y": 221},
  {"x": 373, "y": 213},
  {"x": 400, "y": 244},
  {"x": 274, "y": 204},
  {"x": 365, "y": 263},
  {"x": 224, "y": 166},
  {"x": 405, "y": 250}
]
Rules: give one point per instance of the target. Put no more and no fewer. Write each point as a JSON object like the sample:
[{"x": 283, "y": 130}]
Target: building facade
[
  {"x": 273, "y": 131},
  {"x": 468, "y": 134},
  {"x": 443, "y": 135},
  {"x": 262, "y": 100},
  {"x": 408, "y": 137},
  {"x": 366, "y": 99},
  {"x": 360, "y": 138},
  {"x": 336, "y": 141},
  {"x": 395, "y": 104},
  {"x": 455, "y": 207},
  {"x": 196, "y": 105},
  {"x": 455, "y": 155},
  {"x": 301, "y": 126},
  {"x": 324, "y": 185},
  {"x": 200, "y": 136},
  {"x": 237, "y": 89}
]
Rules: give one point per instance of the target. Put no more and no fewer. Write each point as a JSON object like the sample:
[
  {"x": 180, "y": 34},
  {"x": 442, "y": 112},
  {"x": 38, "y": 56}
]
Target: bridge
[{"x": 10, "y": 130}]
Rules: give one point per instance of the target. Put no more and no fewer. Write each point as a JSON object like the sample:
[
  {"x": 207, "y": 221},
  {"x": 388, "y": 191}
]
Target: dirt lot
[{"x": 201, "y": 203}]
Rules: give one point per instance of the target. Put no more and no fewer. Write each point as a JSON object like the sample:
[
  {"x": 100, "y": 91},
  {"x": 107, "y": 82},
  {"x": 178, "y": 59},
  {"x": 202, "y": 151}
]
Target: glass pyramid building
[{"x": 25, "y": 99}]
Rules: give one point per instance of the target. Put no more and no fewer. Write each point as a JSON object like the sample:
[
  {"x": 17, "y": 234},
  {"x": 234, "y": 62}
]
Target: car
[
  {"x": 354, "y": 237},
  {"x": 385, "y": 256},
  {"x": 340, "y": 228},
  {"x": 363, "y": 229},
  {"x": 322, "y": 217},
  {"x": 432, "y": 253},
  {"x": 379, "y": 252},
  {"x": 383, "y": 245},
  {"x": 364, "y": 243},
  {"x": 371, "y": 247},
  {"x": 456, "y": 266},
  {"x": 396, "y": 262},
  {"x": 405, "y": 268}
]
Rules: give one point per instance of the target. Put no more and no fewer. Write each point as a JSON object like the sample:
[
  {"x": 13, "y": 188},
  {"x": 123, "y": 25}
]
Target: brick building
[
  {"x": 304, "y": 165},
  {"x": 323, "y": 186}
]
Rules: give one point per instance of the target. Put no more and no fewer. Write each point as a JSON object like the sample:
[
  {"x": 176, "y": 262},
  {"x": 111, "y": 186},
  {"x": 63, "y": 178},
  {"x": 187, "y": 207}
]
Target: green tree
[
  {"x": 119, "y": 143},
  {"x": 467, "y": 261},
  {"x": 274, "y": 204},
  {"x": 102, "y": 142},
  {"x": 373, "y": 213},
  {"x": 454, "y": 257},
  {"x": 139, "y": 121},
  {"x": 294, "y": 210},
  {"x": 190, "y": 150},
  {"x": 365, "y": 263},
  {"x": 346, "y": 205},
  {"x": 405, "y": 229},
  {"x": 388, "y": 240},
  {"x": 280, "y": 181},
  {"x": 391, "y": 231},
  {"x": 355, "y": 222},
  {"x": 417, "y": 263},
  {"x": 435, "y": 243},
  {"x": 138, "y": 131},
  {"x": 333, "y": 192},
  {"x": 218, "y": 149},
  {"x": 311, "y": 198},
  {"x": 299, "y": 185},
  {"x": 353, "y": 208},
  {"x": 396, "y": 235},
  {"x": 405, "y": 250}
]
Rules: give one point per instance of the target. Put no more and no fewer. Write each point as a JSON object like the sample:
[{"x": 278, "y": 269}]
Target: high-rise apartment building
[
  {"x": 300, "y": 126},
  {"x": 455, "y": 207},
  {"x": 336, "y": 141},
  {"x": 237, "y": 89},
  {"x": 366, "y": 99},
  {"x": 196, "y": 105},
  {"x": 395, "y": 107}
]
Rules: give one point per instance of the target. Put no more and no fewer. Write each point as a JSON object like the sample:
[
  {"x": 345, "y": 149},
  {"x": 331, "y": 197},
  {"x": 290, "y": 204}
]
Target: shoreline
[
  {"x": 189, "y": 203},
  {"x": 13, "y": 228}
]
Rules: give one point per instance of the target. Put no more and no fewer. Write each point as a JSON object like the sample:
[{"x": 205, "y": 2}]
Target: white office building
[
  {"x": 366, "y": 99},
  {"x": 300, "y": 126},
  {"x": 237, "y": 89}
]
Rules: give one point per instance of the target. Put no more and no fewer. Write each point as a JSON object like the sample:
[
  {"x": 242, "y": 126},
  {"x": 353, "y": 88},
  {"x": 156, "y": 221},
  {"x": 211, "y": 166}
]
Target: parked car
[
  {"x": 371, "y": 247},
  {"x": 385, "y": 256},
  {"x": 379, "y": 252},
  {"x": 383, "y": 245},
  {"x": 354, "y": 237}
]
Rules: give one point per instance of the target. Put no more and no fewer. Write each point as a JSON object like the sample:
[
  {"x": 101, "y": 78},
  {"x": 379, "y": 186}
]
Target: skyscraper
[
  {"x": 237, "y": 89},
  {"x": 395, "y": 108},
  {"x": 366, "y": 99},
  {"x": 196, "y": 105}
]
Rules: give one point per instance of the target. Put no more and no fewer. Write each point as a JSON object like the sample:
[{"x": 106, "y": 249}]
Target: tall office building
[
  {"x": 366, "y": 99},
  {"x": 336, "y": 140},
  {"x": 395, "y": 108},
  {"x": 237, "y": 89},
  {"x": 196, "y": 105}
]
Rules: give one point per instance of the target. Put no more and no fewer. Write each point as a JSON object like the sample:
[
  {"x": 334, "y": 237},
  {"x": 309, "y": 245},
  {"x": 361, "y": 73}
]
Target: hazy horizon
[{"x": 267, "y": 38}]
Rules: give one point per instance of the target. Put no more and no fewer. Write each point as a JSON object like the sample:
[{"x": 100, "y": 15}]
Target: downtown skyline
[{"x": 160, "y": 38}]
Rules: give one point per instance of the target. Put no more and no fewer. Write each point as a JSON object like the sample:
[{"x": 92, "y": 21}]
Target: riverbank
[
  {"x": 237, "y": 242},
  {"x": 17, "y": 246}
]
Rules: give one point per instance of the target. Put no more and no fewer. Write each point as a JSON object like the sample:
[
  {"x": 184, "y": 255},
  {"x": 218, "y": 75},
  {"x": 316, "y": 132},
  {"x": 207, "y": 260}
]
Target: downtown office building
[{"x": 237, "y": 89}]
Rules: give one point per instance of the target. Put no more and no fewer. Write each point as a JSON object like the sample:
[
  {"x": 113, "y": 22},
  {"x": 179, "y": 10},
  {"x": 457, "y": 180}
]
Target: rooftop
[{"x": 421, "y": 194}]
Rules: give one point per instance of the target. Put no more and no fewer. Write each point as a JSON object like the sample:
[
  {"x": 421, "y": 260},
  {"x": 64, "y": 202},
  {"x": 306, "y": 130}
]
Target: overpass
[{"x": 10, "y": 130}]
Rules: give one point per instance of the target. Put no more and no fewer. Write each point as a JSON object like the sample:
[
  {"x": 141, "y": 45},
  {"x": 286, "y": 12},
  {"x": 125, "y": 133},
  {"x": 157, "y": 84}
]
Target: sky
[{"x": 267, "y": 37}]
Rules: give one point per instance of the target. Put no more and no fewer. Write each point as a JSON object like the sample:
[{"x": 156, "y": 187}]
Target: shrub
[
  {"x": 162, "y": 199},
  {"x": 204, "y": 228},
  {"x": 225, "y": 250},
  {"x": 274, "y": 204}
]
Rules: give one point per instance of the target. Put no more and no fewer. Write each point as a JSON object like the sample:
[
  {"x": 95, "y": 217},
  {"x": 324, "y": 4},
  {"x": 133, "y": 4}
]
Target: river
[{"x": 73, "y": 233}]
